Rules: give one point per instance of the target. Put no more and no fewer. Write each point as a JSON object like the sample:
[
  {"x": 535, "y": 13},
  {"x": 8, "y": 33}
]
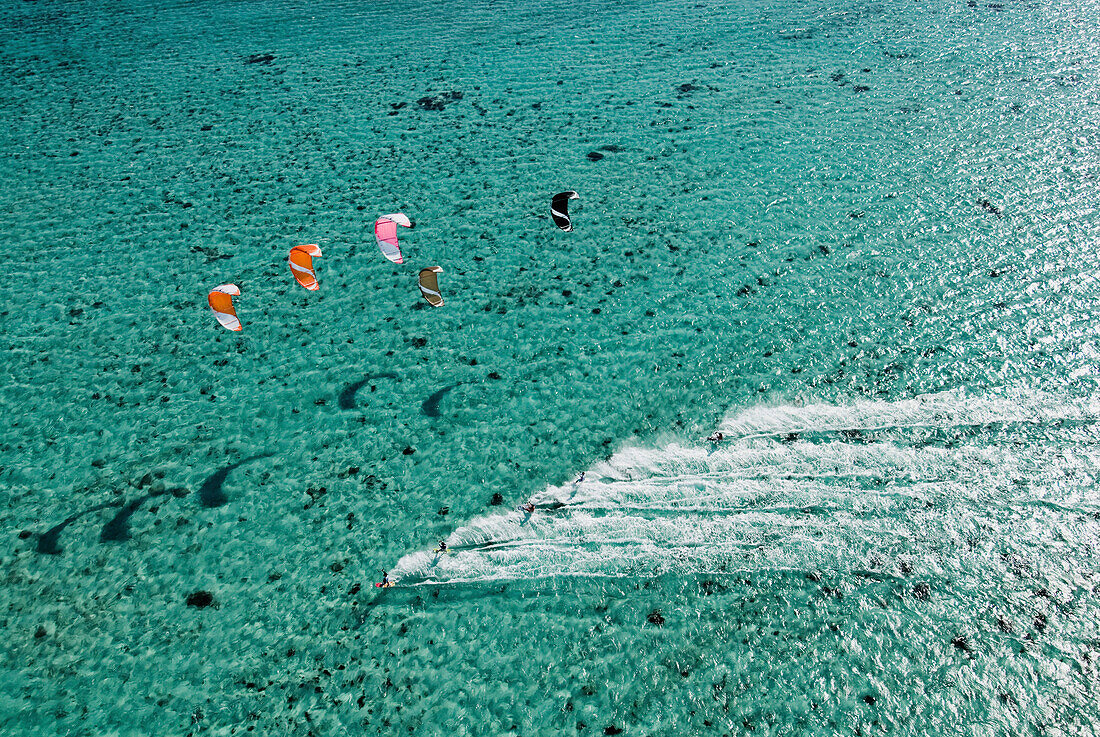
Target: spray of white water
[{"x": 792, "y": 487}]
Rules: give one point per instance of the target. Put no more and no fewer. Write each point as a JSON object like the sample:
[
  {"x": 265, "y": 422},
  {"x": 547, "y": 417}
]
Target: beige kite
[{"x": 429, "y": 285}]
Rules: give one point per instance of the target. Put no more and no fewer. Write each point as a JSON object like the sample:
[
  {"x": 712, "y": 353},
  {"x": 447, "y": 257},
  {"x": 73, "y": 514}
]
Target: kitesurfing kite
[
  {"x": 301, "y": 265},
  {"x": 429, "y": 285},
  {"x": 559, "y": 209},
  {"x": 385, "y": 230},
  {"x": 221, "y": 301}
]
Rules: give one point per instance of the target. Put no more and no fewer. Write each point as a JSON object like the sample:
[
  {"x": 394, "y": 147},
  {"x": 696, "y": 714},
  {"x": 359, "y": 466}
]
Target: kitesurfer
[
  {"x": 529, "y": 507},
  {"x": 442, "y": 547},
  {"x": 386, "y": 583},
  {"x": 716, "y": 437},
  {"x": 579, "y": 479}
]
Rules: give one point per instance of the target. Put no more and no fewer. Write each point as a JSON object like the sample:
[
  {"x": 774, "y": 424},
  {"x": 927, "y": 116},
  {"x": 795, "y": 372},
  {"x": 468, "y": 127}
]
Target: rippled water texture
[{"x": 861, "y": 240}]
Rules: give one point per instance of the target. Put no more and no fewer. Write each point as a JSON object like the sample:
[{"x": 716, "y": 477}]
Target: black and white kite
[{"x": 559, "y": 209}]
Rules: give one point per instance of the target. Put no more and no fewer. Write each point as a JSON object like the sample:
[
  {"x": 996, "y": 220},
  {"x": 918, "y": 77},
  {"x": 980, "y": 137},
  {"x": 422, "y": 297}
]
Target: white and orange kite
[
  {"x": 301, "y": 265},
  {"x": 385, "y": 230},
  {"x": 221, "y": 301}
]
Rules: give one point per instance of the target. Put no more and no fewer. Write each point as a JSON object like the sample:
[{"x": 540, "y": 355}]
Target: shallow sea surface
[{"x": 861, "y": 239}]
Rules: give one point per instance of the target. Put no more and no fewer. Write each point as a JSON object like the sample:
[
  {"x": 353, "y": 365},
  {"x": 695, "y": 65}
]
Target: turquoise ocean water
[{"x": 859, "y": 238}]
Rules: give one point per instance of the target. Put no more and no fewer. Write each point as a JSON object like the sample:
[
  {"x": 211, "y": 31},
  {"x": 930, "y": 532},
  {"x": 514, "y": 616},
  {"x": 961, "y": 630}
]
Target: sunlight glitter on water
[{"x": 859, "y": 239}]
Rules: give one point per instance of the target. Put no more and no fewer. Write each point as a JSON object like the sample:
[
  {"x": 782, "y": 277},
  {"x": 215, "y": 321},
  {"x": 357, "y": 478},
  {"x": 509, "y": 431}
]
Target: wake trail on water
[{"x": 810, "y": 488}]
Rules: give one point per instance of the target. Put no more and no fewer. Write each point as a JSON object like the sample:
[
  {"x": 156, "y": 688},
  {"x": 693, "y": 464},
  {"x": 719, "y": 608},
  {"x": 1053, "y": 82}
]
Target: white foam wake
[
  {"x": 942, "y": 409},
  {"x": 765, "y": 501}
]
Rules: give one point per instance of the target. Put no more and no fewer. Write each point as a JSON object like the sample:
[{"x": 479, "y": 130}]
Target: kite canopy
[
  {"x": 301, "y": 265},
  {"x": 221, "y": 301},
  {"x": 385, "y": 230},
  {"x": 559, "y": 209},
  {"x": 429, "y": 285}
]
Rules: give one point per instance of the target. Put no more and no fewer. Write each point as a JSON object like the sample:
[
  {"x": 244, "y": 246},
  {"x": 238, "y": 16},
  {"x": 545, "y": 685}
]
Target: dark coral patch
[
  {"x": 436, "y": 103},
  {"x": 961, "y": 643}
]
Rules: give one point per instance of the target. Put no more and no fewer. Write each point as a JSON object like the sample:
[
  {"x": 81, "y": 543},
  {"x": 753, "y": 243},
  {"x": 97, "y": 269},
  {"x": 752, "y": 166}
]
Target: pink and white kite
[{"x": 385, "y": 230}]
